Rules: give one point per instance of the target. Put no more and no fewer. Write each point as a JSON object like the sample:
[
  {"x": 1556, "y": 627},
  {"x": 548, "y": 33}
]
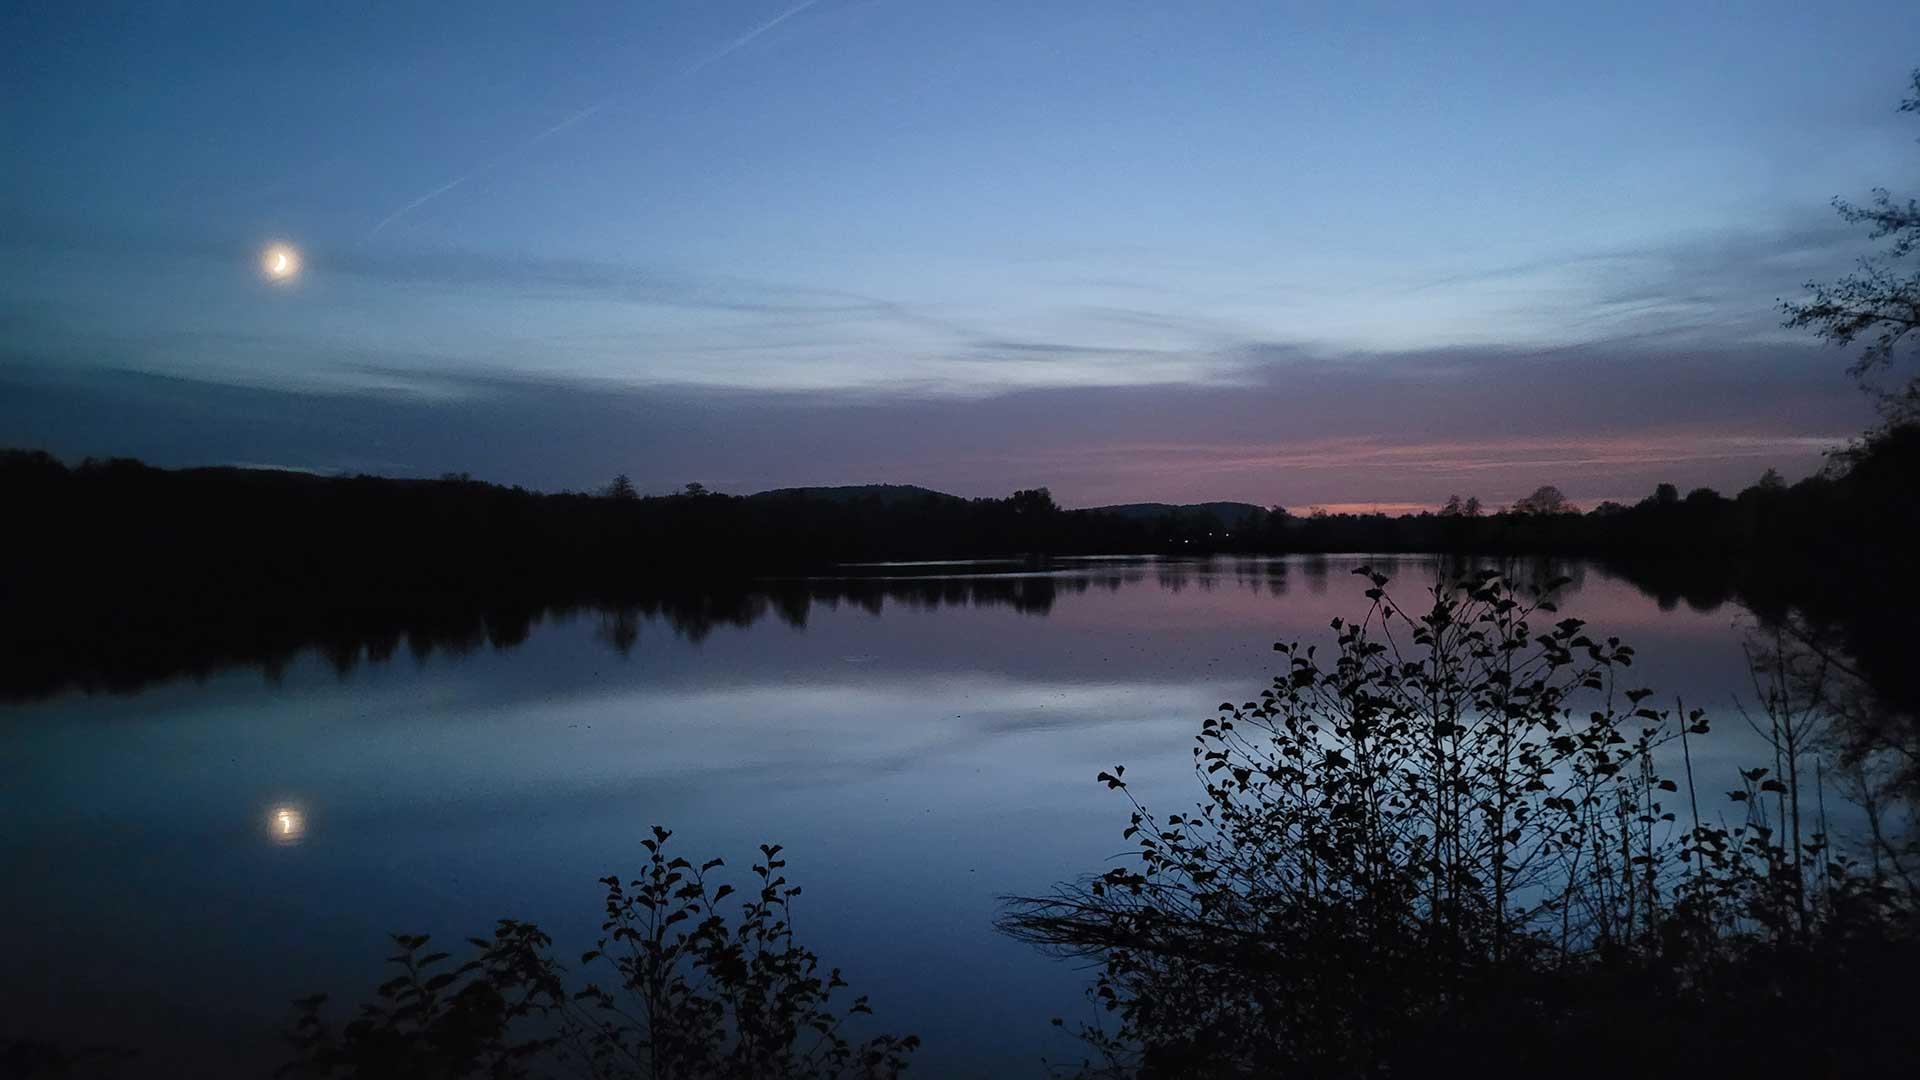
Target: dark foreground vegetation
[
  {"x": 1465, "y": 840},
  {"x": 675, "y": 991}
]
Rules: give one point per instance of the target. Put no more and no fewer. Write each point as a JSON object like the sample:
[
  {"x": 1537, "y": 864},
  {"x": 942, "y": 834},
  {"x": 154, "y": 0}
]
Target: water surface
[{"x": 184, "y": 859}]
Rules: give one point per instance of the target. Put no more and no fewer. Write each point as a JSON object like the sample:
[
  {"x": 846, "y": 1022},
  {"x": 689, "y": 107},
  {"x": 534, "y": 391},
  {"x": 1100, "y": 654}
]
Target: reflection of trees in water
[
  {"x": 696, "y": 614},
  {"x": 1262, "y": 575},
  {"x": 1703, "y": 586},
  {"x": 620, "y": 628},
  {"x": 1841, "y": 641},
  {"x": 64, "y": 649},
  {"x": 143, "y": 647},
  {"x": 1314, "y": 569}
]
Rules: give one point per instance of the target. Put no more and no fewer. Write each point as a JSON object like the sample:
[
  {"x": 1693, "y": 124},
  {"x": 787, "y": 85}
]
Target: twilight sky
[{"x": 1306, "y": 254}]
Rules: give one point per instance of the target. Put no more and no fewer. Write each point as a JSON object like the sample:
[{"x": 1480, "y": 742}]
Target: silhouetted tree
[
  {"x": 1880, "y": 302},
  {"x": 1032, "y": 502},
  {"x": 620, "y": 488},
  {"x": 1545, "y": 499}
]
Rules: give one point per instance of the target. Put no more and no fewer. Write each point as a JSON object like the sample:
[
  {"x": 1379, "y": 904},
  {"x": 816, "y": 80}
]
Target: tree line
[
  {"x": 457, "y": 534},
  {"x": 118, "y": 573}
]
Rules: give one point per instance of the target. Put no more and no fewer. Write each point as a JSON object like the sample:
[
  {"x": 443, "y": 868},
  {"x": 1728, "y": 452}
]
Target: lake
[{"x": 184, "y": 859}]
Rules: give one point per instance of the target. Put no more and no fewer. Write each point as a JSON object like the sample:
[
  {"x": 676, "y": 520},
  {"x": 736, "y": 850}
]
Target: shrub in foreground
[
  {"x": 683, "y": 994},
  {"x": 1455, "y": 842}
]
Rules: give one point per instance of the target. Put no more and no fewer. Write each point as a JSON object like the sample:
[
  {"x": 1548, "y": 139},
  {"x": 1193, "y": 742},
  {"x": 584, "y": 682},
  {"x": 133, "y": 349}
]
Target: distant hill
[
  {"x": 1229, "y": 513},
  {"x": 888, "y": 494}
]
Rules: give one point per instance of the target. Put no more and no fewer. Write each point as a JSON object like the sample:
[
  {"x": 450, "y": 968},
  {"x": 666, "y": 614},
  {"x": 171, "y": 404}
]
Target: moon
[
  {"x": 280, "y": 262},
  {"x": 286, "y": 824}
]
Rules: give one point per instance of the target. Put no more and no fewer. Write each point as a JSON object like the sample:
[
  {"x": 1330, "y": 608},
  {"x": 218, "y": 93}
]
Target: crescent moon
[{"x": 280, "y": 262}]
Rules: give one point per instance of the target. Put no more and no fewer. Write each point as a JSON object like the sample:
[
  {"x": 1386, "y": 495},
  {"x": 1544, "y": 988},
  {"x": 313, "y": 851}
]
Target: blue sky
[{"x": 1284, "y": 253}]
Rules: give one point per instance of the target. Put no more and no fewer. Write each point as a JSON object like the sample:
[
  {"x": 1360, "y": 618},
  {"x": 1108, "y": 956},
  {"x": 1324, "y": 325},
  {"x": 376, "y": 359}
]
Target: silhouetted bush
[
  {"x": 1453, "y": 842},
  {"x": 687, "y": 996}
]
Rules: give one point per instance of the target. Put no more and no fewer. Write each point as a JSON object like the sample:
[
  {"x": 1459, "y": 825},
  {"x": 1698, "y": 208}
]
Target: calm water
[{"x": 182, "y": 861}]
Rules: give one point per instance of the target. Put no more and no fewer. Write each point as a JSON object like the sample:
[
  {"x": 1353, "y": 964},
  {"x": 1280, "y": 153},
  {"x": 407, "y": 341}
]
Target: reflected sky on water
[{"x": 922, "y": 739}]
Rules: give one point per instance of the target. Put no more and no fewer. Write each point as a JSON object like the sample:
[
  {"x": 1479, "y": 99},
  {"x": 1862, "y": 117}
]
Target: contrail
[
  {"x": 743, "y": 39},
  {"x": 489, "y": 166}
]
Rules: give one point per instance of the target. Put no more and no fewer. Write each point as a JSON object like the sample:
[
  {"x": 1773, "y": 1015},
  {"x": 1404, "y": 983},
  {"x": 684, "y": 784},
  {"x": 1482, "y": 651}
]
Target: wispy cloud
[
  {"x": 1718, "y": 285},
  {"x": 1489, "y": 423},
  {"x": 1462, "y": 458}
]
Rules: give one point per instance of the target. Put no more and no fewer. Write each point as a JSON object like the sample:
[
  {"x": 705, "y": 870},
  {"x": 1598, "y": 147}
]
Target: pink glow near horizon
[{"x": 1338, "y": 474}]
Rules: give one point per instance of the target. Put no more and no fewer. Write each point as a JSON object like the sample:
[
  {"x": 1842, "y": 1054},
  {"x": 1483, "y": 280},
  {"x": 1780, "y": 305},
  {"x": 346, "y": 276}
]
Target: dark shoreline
[
  {"x": 128, "y": 647},
  {"x": 116, "y": 575}
]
